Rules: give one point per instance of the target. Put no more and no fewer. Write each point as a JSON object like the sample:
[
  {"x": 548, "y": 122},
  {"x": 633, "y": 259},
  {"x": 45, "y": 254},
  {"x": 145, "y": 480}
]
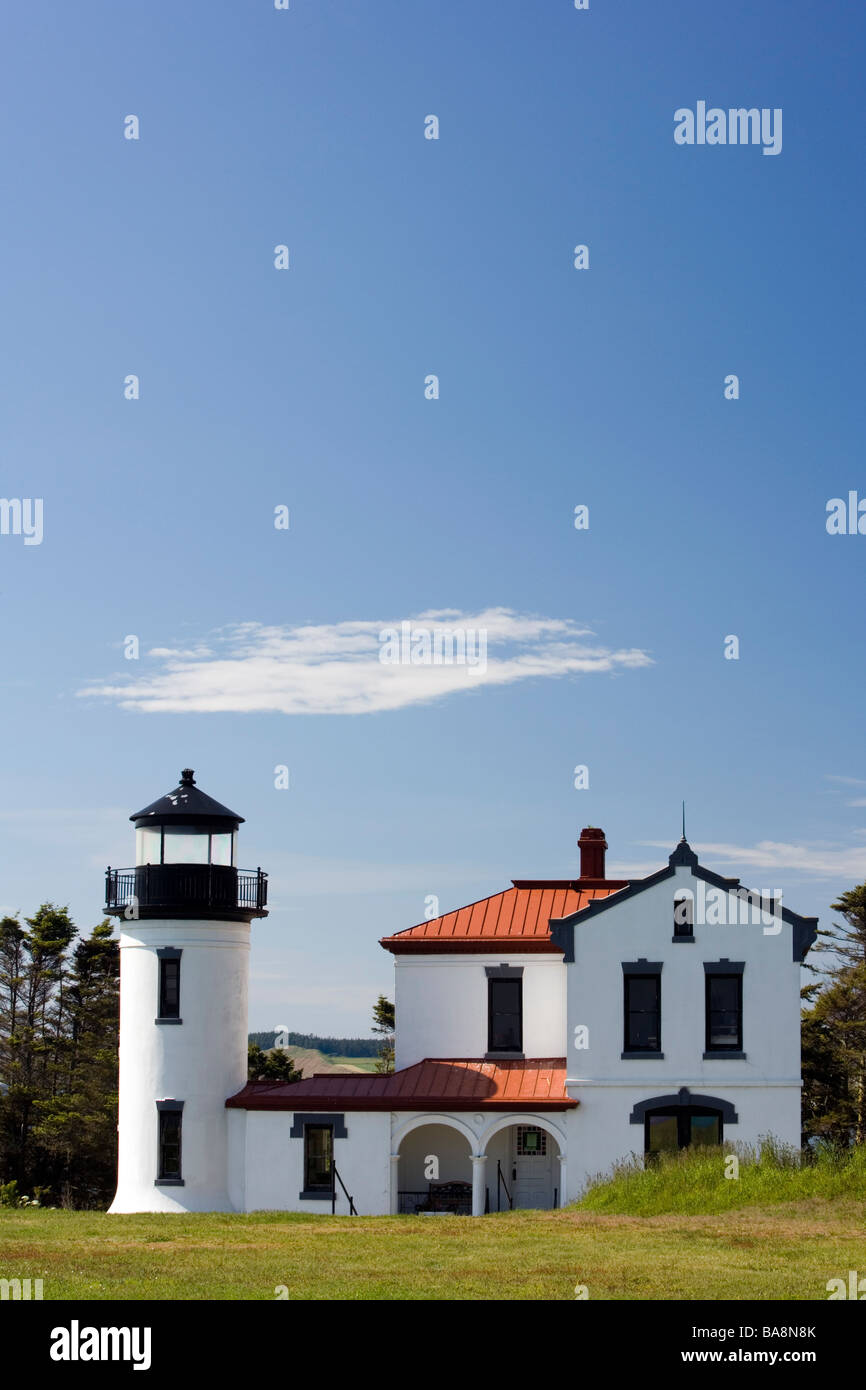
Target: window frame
[
  {"x": 167, "y": 955},
  {"x": 318, "y": 1189},
  {"x": 493, "y": 981},
  {"x": 722, "y": 1049},
  {"x": 636, "y": 974},
  {"x": 169, "y": 1110},
  {"x": 683, "y": 1114},
  {"x": 684, "y": 931}
]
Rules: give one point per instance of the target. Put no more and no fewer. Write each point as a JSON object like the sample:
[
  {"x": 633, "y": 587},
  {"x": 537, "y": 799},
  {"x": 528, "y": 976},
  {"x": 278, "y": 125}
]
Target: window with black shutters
[
  {"x": 169, "y": 987},
  {"x": 169, "y": 1143},
  {"x": 505, "y": 1015},
  {"x": 643, "y": 998},
  {"x": 724, "y": 1013}
]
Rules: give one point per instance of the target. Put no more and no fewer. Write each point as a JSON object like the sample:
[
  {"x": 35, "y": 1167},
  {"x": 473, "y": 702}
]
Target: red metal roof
[
  {"x": 518, "y": 917},
  {"x": 450, "y": 1083}
]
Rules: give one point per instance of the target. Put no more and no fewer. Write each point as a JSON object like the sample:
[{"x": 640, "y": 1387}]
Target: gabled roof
[
  {"x": 516, "y": 919},
  {"x": 805, "y": 929},
  {"x": 437, "y": 1083}
]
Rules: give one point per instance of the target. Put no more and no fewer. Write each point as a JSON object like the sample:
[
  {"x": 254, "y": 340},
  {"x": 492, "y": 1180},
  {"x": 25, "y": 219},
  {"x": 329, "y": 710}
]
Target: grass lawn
[
  {"x": 679, "y": 1230},
  {"x": 784, "y": 1251}
]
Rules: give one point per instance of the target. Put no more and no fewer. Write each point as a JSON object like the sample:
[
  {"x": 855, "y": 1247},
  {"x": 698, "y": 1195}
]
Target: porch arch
[
  {"x": 433, "y": 1118},
  {"x": 507, "y": 1121},
  {"x": 462, "y": 1168}
]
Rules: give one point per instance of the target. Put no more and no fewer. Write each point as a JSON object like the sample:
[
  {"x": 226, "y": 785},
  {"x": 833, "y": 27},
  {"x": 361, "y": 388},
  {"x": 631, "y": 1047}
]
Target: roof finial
[
  {"x": 187, "y": 777},
  {"x": 684, "y": 820}
]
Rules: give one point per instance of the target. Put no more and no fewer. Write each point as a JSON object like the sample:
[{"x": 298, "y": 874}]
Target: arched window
[{"x": 682, "y": 1121}]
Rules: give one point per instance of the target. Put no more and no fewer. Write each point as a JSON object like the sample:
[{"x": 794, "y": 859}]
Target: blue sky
[{"x": 305, "y": 388}]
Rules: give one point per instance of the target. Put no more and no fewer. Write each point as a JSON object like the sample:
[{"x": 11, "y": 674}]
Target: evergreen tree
[
  {"x": 834, "y": 1030},
  {"x": 29, "y": 1055},
  {"x": 77, "y": 1122},
  {"x": 384, "y": 1024},
  {"x": 275, "y": 1065}
]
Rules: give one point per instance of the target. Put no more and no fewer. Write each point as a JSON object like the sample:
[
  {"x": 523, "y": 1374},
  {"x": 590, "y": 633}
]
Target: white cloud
[
  {"x": 335, "y": 668},
  {"x": 817, "y": 860}
]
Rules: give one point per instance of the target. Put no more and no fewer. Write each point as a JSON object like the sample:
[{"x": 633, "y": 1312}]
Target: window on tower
[
  {"x": 168, "y": 1003},
  {"x": 170, "y": 1115}
]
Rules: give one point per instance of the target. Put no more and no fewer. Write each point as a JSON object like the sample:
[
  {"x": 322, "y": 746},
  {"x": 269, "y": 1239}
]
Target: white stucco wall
[
  {"x": 273, "y": 1173},
  {"x": 600, "y": 1135},
  {"x": 441, "y": 1005},
  {"x": 200, "y": 1061},
  {"x": 764, "y": 1088}
]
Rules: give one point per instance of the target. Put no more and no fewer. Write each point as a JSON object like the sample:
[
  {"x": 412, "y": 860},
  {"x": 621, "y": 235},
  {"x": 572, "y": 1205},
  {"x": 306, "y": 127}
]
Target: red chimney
[{"x": 592, "y": 846}]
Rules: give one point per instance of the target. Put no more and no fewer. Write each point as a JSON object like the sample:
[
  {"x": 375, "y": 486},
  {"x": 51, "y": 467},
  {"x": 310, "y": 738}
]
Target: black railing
[
  {"x": 500, "y": 1183},
  {"x": 209, "y": 887},
  {"x": 408, "y": 1203},
  {"x": 349, "y": 1199}
]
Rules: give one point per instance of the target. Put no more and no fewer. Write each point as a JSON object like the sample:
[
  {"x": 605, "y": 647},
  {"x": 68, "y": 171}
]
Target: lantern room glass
[{"x": 184, "y": 844}]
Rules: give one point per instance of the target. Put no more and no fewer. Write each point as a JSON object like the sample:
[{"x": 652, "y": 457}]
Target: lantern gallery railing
[{"x": 186, "y": 887}]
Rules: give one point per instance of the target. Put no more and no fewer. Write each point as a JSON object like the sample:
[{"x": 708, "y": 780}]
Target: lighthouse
[{"x": 185, "y": 911}]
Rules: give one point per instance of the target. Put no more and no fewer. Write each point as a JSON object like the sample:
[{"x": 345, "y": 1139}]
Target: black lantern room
[{"x": 186, "y": 862}]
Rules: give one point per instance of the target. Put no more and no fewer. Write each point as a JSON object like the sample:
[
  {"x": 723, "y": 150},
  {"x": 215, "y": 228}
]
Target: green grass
[
  {"x": 694, "y": 1181},
  {"x": 785, "y": 1252},
  {"x": 681, "y": 1230}
]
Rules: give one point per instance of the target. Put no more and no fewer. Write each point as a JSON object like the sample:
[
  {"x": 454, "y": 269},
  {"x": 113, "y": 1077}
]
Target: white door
[{"x": 531, "y": 1167}]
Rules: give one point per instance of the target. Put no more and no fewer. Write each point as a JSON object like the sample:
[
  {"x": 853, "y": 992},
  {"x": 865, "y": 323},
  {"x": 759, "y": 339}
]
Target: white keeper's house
[{"x": 543, "y": 1034}]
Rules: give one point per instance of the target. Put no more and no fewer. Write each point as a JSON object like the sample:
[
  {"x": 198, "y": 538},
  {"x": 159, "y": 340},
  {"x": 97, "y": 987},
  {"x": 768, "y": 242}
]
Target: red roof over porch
[{"x": 450, "y": 1083}]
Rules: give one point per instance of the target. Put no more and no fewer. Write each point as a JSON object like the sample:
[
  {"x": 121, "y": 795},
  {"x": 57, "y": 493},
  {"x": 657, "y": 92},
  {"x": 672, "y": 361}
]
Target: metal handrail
[
  {"x": 204, "y": 885},
  {"x": 500, "y": 1179},
  {"x": 350, "y": 1200}
]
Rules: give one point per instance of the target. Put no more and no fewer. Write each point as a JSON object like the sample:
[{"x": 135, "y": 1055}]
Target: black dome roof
[{"x": 188, "y": 803}]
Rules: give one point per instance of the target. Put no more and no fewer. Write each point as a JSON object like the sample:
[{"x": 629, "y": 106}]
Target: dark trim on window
[
  {"x": 301, "y": 1118},
  {"x": 317, "y": 1162},
  {"x": 503, "y": 972},
  {"x": 675, "y": 939},
  {"x": 684, "y": 922},
  {"x": 723, "y": 970},
  {"x": 683, "y": 1114},
  {"x": 642, "y": 1056},
  {"x": 721, "y": 1053},
  {"x": 504, "y": 1056},
  {"x": 168, "y": 981},
  {"x": 165, "y": 1110},
  {"x": 684, "y": 1097},
  {"x": 515, "y": 1033},
  {"x": 634, "y": 1044}
]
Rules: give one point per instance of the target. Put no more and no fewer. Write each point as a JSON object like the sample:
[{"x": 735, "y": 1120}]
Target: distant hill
[
  {"x": 310, "y": 1060},
  {"x": 329, "y": 1047}
]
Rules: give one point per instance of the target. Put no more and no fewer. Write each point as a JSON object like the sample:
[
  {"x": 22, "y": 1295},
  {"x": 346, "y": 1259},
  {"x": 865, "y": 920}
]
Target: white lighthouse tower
[{"x": 185, "y": 913}]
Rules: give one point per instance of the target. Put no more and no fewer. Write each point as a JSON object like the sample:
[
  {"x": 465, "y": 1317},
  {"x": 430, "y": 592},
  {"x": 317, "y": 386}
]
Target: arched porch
[
  {"x": 441, "y": 1163},
  {"x": 525, "y": 1162}
]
